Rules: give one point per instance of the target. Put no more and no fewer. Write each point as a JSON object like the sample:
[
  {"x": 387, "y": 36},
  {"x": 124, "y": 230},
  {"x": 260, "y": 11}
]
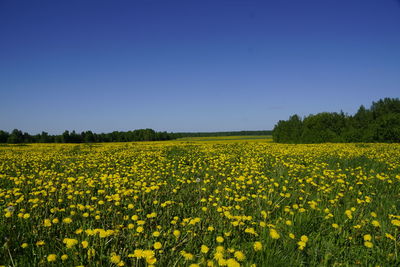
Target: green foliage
[
  {"x": 380, "y": 123},
  {"x": 17, "y": 137}
]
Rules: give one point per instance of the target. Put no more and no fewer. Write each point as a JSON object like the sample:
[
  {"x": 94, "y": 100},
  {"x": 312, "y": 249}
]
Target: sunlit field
[{"x": 200, "y": 203}]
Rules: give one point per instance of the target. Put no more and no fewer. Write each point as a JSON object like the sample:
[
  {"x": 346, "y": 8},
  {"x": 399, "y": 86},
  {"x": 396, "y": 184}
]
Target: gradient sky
[{"x": 191, "y": 65}]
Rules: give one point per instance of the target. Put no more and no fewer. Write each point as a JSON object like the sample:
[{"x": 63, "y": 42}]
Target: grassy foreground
[{"x": 218, "y": 203}]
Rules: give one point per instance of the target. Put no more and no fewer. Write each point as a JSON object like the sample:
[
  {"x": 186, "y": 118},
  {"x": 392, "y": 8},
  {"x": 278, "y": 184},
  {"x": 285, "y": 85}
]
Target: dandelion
[
  {"x": 114, "y": 258},
  {"x": 67, "y": 220},
  {"x": 157, "y": 245},
  {"x": 177, "y": 233},
  {"x": 376, "y": 223},
  {"x": 349, "y": 214},
  {"x": 368, "y": 244},
  {"x": 70, "y": 242},
  {"x": 51, "y": 257},
  {"x": 219, "y": 239},
  {"x": 274, "y": 234},
  {"x": 40, "y": 243},
  {"x": 396, "y": 222},
  {"x": 156, "y": 234},
  {"x": 304, "y": 238},
  {"x": 64, "y": 257},
  {"x": 367, "y": 237},
  {"x": 301, "y": 245},
  {"x": 257, "y": 246},
  {"x": 239, "y": 256},
  {"x": 85, "y": 244},
  {"x": 138, "y": 253},
  {"x": 204, "y": 249}
]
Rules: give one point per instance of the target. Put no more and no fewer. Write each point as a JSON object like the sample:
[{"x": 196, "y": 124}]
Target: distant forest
[
  {"x": 379, "y": 123},
  {"x": 17, "y": 136}
]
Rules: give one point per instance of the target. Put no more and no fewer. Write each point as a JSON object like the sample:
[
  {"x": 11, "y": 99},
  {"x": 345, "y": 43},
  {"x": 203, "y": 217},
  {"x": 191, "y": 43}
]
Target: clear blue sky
[{"x": 191, "y": 65}]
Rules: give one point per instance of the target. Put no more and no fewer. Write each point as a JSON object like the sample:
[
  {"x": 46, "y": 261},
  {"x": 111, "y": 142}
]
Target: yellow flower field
[{"x": 204, "y": 203}]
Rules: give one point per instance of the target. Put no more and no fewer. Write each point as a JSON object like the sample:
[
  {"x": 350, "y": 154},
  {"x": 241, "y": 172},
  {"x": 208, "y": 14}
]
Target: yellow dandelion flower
[
  {"x": 51, "y": 257},
  {"x": 114, "y": 258},
  {"x": 219, "y": 239},
  {"x": 304, "y": 238},
  {"x": 157, "y": 245},
  {"x": 368, "y": 244},
  {"x": 177, "y": 233},
  {"x": 274, "y": 234},
  {"x": 257, "y": 246},
  {"x": 239, "y": 255},
  {"x": 85, "y": 244},
  {"x": 204, "y": 249},
  {"x": 64, "y": 257},
  {"x": 367, "y": 237}
]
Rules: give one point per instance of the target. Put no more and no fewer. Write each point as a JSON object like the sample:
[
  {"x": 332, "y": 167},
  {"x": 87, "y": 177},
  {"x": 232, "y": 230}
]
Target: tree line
[
  {"x": 379, "y": 123},
  {"x": 17, "y": 136},
  {"x": 216, "y": 134}
]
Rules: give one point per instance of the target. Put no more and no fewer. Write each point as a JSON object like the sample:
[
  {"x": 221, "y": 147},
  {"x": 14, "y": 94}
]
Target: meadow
[{"x": 193, "y": 202}]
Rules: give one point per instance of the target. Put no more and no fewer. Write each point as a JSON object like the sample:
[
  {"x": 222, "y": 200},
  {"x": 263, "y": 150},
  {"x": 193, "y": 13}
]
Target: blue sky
[{"x": 191, "y": 65}]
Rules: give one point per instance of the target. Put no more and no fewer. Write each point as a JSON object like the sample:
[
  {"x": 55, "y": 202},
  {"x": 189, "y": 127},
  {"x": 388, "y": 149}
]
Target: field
[{"x": 200, "y": 203}]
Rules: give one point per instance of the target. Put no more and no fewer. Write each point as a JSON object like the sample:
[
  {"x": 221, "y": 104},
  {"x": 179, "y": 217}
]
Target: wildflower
[
  {"x": 91, "y": 252},
  {"x": 204, "y": 249},
  {"x": 115, "y": 258},
  {"x": 368, "y": 244},
  {"x": 156, "y": 234},
  {"x": 187, "y": 256},
  {"x": 396, "y": 222},
  {"x": 177, "y": 233},
  {"x": 51, "y": 257},
  {"x": 151, "y": 260},
  {"x": 157, "y": 245},
  {"x": 67, "y": 220},
  {"x": 349, "y": 214},
  {"x": 367, "y": 237},
  {"x": 257, "y": 246},
  {"x": 24, "y": 245},
  {"x": 390, "y": 237},
  {"x": 274, "y": 234},
  {"x": 85, "y": 244},
  {"x": 304, "y": 238},
  {"x": 376, "y": 223},
  {"x": 148, "y": 253},
  {"x": 64, "y": 257},
  {"x": 70, "y": 242},
  {"x": 232, "y": 263},
  {"x": 46, "y": 223},
  {"x": 138, "y": 253},
  {"x": 40, "y": 243},
  {"x": 301, "y": 245},
  {"x": 239, "y": 256},
  {"x": 219, "y": 239}
]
